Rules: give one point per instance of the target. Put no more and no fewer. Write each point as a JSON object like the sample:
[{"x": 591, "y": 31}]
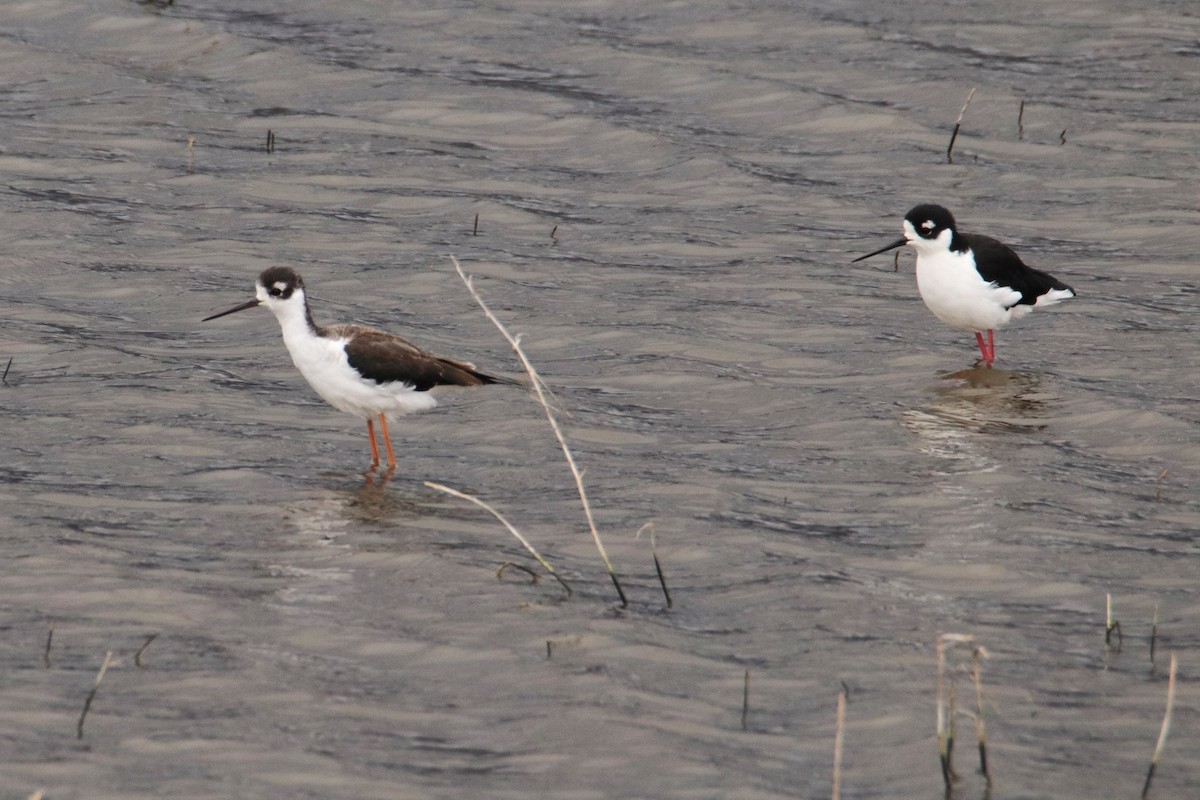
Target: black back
[{"x": 996, "y": 262}]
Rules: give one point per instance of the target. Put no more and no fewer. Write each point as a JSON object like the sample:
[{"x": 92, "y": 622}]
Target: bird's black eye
[
  {"x": 927, "y": 228},
  {"x": 274, "y": 292},
  {"x": 279, "y": 289}
]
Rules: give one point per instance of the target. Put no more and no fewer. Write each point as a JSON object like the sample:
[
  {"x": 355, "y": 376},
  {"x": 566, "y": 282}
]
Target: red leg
[
  {"x": 387, "y": 442},
  {"x": 374, "y": 447},
  {"x": 987, "y": 350},
  {"x": 983, "y": 351}
]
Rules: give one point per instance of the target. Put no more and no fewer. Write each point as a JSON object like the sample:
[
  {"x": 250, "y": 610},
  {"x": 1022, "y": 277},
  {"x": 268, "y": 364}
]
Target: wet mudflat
[{"x": 833, "y": 484}]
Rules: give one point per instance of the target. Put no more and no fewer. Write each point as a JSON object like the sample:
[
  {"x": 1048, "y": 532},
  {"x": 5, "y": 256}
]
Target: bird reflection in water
[
  {"x": 978, "y": 400},
  {"x": 994, "y": 400},
  {"x": 370, "y": 502}
]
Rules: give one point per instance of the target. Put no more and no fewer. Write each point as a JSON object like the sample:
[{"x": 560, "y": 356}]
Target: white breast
[
  {"x": 957, "y": 295},
  {"x": 324, "y": 364}
]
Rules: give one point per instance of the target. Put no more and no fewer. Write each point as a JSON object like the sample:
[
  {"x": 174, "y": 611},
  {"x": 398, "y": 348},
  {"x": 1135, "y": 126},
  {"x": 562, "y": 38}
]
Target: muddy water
[{"x": 668, "y": 198}]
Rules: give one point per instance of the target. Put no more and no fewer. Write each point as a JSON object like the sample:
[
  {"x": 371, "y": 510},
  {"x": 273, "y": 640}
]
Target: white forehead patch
[{"x": 927, "y": 225}]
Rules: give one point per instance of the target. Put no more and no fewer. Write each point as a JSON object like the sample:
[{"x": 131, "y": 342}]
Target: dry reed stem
[
  {"x": 1163, "y": 731},
  {"x": 49, "y": 641},
  {"x": 1021, "y": 122},
  {"x": 951, "y": 734},
  {"x": 662, "y": 579},
  {"x": 957, "y": 125},
  {"x": 977, "y": 657},
  {"x": 947, "y": 701},
  {"x": 745, "y": 699},
  {"x": 838, "y": 740},
  {"x": 1158, "y": 485},
  {"x": 4, "y": 379},
  {"x": 1153, "y": 636},
  {"x": 1110, "y": 624},
  {"x": 87, "y": 704},
  {"x": 137, "y": 657},
  {"x": 540, "y": 391},
  {"x": 945, "y": 738},
  {"x": 511, "y": 529},
  {"x": 533, "y": 576}
]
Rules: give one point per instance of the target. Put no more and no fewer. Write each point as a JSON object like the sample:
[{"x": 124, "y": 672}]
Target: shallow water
[{"x": 668, "y": 198}]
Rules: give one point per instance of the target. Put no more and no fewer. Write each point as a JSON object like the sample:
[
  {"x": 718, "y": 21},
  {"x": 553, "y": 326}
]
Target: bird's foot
[{"x": 374, "y": 473}]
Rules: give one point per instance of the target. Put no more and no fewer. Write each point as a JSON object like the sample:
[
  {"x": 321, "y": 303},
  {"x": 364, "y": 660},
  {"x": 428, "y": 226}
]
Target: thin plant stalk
[
  {"x": 540, "y": 391},
  {"x": 957, "y": 125},
  {"x": 1162, "y": 733},
  {"x": 945, "y": 738},
  {"x": 745, "y": 699},
  {"x": 87, "y": 704},
  {"x": 49, "y": 642},
  {"x": 511, "y": 529},
  {"x": 980, "y": 729},
  {"x": 662, "y": 579},
  {"x": 137, "y": 657},
  {"x": 1110, "y": 624},
  {"x": 951, "y": 733},
  {"x": 947, "y": 704},
  {"x": 533, "y": 576},
  {"x": 1153, "y": 636},
  {"x": 838, "y": 740}
]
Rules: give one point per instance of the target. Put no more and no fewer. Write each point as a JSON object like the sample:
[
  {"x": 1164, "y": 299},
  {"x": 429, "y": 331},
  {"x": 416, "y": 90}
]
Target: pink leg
[
  {"x": 374, "y": 447},
  {"x": 987, "y": 350},
  {"x": 387, "y": 443},
  {"x": 983, "y": 353}
]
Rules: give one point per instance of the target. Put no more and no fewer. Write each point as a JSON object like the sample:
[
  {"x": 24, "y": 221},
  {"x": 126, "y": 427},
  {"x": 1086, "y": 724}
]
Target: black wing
[
  {"x": 996, "y": 262},
  {"x": 386, "y": 358}
]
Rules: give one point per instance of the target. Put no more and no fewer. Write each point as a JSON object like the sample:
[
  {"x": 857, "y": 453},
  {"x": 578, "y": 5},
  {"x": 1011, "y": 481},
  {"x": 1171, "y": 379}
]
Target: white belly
[
  {"x": 324, "y": 365},
  {"x": 958, "y": 296}
]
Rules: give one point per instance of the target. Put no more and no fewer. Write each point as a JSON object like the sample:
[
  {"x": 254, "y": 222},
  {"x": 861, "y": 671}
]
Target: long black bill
[
  {"x": 898, "y": 243},
  {"x": 242, "y": 307}
]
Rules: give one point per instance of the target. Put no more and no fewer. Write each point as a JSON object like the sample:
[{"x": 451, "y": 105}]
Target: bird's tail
[
  {"x": 1055, "y": 295},
  {"x": 485, "y": 379}
]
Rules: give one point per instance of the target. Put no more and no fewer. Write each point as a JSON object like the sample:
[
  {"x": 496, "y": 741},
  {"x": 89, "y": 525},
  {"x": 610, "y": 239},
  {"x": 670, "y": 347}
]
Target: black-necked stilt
[
  {"x": 356, "y": 369},
  {"x": 972, "y": 282}
]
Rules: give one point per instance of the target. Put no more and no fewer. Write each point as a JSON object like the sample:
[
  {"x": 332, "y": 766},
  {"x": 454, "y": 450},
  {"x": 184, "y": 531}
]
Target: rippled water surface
[{"x": 668, "y": 197}]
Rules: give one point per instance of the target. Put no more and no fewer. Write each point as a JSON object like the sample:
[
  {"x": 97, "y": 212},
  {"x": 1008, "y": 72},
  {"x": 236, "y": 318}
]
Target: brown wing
[{"x": 386, "y": 358}]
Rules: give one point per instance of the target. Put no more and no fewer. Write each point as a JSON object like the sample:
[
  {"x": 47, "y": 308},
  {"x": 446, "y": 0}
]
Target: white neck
[{"x": 293, "y": 318}]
